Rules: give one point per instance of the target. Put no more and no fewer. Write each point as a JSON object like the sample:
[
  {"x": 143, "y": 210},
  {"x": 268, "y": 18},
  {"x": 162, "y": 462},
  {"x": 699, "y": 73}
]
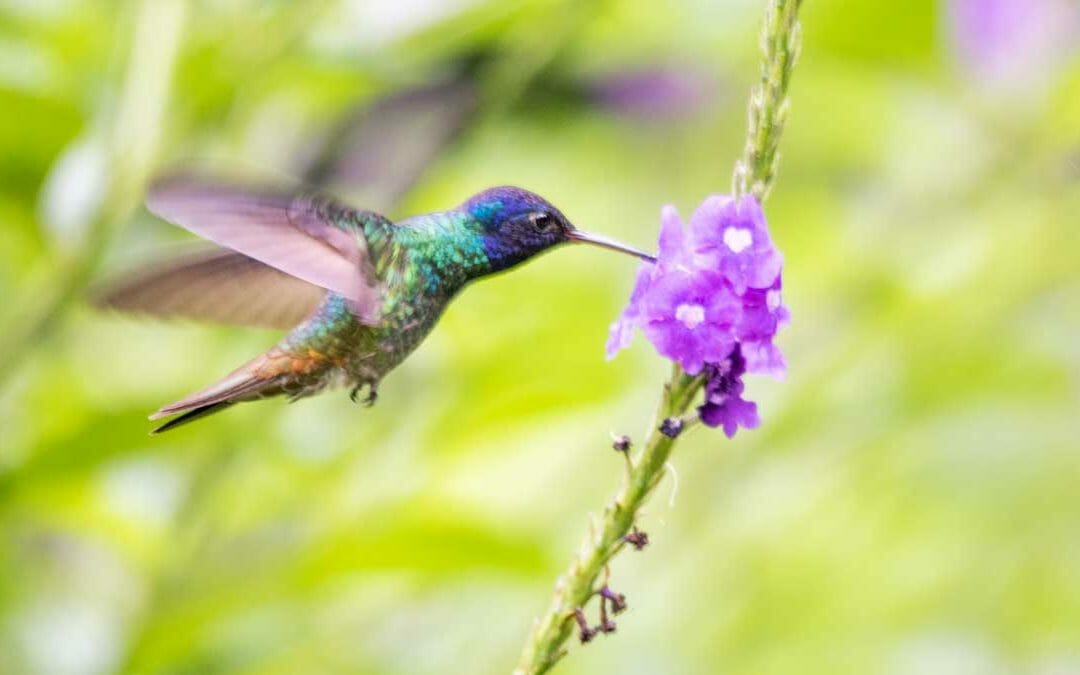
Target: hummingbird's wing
[
  {"x": 216, "y": 285},
  {"x": 311, "y": 238},
  {"x": 412, "y": 127}
]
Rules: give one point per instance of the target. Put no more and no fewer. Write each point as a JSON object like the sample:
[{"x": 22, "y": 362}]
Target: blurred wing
[
  {"x": 303, "y": 236},
  {"x": 381, "y": 151},
  {"x": 219, "y": 286}
]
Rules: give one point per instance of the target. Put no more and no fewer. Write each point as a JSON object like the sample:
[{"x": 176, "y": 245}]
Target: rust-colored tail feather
[
  {"x": 273, "y": 372},
  {"x": 192, "y": 415},
  {"x": 243, "y": 384}
]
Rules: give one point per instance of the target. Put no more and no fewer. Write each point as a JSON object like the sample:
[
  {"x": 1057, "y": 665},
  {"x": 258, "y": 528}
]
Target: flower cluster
[{"x": 712, "y": 303}]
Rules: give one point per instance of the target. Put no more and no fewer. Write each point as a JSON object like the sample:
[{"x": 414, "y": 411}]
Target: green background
[{"x": 911, "y": 503}]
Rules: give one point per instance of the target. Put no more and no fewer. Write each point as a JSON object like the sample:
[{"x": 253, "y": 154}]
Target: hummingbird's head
[{"x": 518, "y": 224}]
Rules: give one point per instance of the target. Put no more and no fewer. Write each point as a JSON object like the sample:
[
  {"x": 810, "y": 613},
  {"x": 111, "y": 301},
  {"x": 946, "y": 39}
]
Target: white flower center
[
  {"x": 691, "y": 316},
  {"x": 737, "y": 239},
  {"x": 772, "y": 300}
]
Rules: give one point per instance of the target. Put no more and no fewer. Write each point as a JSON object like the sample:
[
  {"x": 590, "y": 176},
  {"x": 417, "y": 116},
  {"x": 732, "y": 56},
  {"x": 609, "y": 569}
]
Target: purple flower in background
[
  {"x": 1012, "y": 43},
  {"x": 655, "y": 93},
  {"x": 712, "y": 303}
]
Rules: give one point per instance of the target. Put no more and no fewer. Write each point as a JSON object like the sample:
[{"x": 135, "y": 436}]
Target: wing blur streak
[
  {"x": 216, "y": 285},
  {"x": 298, "y": 235}
]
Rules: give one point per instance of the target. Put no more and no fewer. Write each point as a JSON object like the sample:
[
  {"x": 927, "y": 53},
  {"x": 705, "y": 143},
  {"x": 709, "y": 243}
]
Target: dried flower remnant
[
  {"x": 712, "y": 303},
  {"x": 638, "y": 539},
  {"x": 621, "y": 443},
  {"x": 617, "y": 600},
  {"x": 671, "y": 427},
  {"x": 585, "y": 632}
]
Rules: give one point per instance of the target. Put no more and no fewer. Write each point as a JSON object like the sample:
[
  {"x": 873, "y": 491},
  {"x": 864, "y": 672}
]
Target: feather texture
[
  {"x": 219, "y": 286},
  {"x": 310, "y": 238}
]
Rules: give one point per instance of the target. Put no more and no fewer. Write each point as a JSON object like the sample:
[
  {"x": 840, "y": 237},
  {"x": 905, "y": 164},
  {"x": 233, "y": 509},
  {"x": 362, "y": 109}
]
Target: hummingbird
[{"x": 358, "y": 291}]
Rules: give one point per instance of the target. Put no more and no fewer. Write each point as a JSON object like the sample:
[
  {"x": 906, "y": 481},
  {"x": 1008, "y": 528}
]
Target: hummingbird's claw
[{"x": 369, "y": 400}]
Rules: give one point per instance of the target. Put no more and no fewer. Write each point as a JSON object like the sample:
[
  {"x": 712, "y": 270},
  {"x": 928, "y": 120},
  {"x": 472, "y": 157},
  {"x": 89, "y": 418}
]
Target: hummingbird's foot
[{"x": 372, "y": 395}]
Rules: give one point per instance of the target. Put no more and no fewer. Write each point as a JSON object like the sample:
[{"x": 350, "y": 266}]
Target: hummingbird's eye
[{"x": 544, "y": 221}]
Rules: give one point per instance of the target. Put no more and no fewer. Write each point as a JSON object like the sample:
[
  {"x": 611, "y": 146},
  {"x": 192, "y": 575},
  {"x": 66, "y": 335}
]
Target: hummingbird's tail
[
  {"x": 192, "y": 415},
  {"x": 275, "y": 372}
]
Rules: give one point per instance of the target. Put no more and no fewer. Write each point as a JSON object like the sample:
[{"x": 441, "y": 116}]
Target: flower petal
[{"x": 672, "y": 235}]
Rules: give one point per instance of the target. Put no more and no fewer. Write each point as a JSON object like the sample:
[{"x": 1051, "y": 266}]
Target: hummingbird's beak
[{"x": 580, "y": 237}]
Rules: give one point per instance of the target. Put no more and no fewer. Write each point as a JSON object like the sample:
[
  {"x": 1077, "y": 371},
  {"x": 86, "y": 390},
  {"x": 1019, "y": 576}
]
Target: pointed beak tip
[{"x": 582, "y": 237}]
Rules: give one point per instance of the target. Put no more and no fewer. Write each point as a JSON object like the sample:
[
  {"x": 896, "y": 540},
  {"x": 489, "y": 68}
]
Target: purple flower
[
  {"x": 724, "y": 405},
  {"x": 622, "y": 331},
  {"x": 762, "y": 316},
  {"x": 1010, "y": 44},
  {"x": 732, "y": 237},
  {"x": 692, "y": 317},
  {"x": 712, "y": 302}
]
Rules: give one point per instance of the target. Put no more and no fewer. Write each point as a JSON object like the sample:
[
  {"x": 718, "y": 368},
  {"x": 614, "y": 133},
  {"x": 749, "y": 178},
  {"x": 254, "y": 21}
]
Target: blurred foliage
[{"x": 909, "y": 506}]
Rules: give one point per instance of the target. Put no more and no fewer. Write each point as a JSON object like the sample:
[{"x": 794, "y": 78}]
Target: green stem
[
  {"x": 576, "y": 586},
  {"x": 754, "y": 174},
  {"x": 781, "y": 38}
]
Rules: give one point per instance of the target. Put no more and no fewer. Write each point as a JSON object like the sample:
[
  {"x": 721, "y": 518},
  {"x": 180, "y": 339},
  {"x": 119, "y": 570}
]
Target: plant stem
[
  {"x": 781, "y": 38},
  {"x": 754, "y": 174},
  {"x": 576, "y": 586}
]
